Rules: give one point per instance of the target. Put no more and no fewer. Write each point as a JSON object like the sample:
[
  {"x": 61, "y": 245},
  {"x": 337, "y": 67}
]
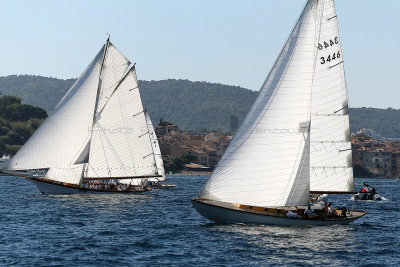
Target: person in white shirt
[
  {"x": 309, "y": 212},
  {"x": 331, "y": 209},
  {"x": 322, "y": 204}
]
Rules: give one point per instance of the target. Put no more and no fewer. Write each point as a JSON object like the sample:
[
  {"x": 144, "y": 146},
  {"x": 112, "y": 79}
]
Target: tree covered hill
[
  {"x": 195, "y": 105},
  {"x": 17, "y": 123},
  {"x": 191, "y": 105},
  {"x": 35, "y": 90},
  {"x": 386, "y": 122}
]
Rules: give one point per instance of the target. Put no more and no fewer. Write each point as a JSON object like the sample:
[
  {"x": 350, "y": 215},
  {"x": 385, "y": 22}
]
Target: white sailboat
[
  {"x": 266, "y": 173},
  {"x": 97, "y": 139}
]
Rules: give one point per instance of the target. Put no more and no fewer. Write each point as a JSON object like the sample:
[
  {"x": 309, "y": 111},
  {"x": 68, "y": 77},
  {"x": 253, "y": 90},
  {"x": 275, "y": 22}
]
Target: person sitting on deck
[
  {"x": 331, "y": 209},
  {"x": 367, "y": 188},
  {"x": 309, "y": 212},
  {"x": 326, "y": 209},
  {"x": 321, "y": 203},
  {"x": 344, "y": 211},
  {"x": 373, "y": 190},
  {"x": 291, "y": 214}
]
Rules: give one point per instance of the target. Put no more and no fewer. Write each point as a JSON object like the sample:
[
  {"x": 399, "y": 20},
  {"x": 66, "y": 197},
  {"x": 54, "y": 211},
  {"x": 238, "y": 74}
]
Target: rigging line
[
  {"x": 100, "y": 76},
  {"x": 104, "y": 152},
  {"x": 117, "y": 86},
  {"x": 113, "y": 151},
  {"x": 332, "y": 17},
  {"x": 98, "y": 91},
  {"x": 126, "y": 132},
  {"x": 115, "y": 83}
]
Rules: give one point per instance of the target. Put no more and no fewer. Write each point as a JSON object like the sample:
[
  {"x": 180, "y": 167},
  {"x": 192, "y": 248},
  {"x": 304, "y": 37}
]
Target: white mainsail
[
  {"x": 64, "y": 134},
  {"x": 267, "y": 162},
  {"x": 156, "y": 150},
  {"x": 120, "y": 145},
  {"x": 330, "y": 160}
]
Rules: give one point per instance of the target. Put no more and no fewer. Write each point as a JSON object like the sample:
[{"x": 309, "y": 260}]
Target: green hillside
[
  {"x": 191, "y": 105},
  {"x": 386, "y": 122},
  {"x": 17, "y": 123},
  {"x": 195, "y": 105},
  {"x": 35, "y": 90}
]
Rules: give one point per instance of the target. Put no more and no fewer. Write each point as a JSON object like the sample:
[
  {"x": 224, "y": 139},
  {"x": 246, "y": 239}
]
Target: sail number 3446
[{"x": 329, "y": 58}]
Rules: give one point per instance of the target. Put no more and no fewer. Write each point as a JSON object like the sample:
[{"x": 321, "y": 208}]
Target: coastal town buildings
[
  {"x": 204, "y": 150},
  {"x": 376, "y": 158},
  {"x": 373, "y": 156}
]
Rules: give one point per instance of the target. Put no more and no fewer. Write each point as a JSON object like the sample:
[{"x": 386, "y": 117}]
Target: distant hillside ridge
[
  {"x": 196, "y": 106},
  {"x": 44, "y": 92},
  {"x": 17, "y": 123}
]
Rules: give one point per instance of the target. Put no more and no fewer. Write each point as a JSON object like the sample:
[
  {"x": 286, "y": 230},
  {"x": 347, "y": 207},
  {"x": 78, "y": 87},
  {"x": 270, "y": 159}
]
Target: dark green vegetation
[
  {"x": 17, "y": 123},
  {"x": 196, "y": 106},
  {"x": 164, "y": 123},
  {"x": 191, "y": 105},
  {"x": 35, "y": 90},
  {"x": 385, "y": 122},
  {"x": 176, "y": 164}
]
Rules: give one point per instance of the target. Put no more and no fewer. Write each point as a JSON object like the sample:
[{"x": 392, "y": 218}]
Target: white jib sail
[
  {"x": 156, "y": 150},
  {"x": 70, "y": 174},
  {"x": 267, "y": 163},
  {"x": 120, "y": 145},
  {"x": 331, "y": 162},
  {"x": 64, "y": 134}
]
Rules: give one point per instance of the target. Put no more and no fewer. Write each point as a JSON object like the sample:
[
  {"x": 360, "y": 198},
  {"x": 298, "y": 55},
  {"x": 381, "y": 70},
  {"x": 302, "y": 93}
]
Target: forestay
[
  {"x": 64, "y": 134},
  {"x": 267, "y": 162},
  {"x": 331, "y": 162}
]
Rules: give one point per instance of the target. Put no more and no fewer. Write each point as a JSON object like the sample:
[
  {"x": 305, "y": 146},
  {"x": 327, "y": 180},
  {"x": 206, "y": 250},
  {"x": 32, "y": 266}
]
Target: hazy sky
[{"x": 225, "y": 41}]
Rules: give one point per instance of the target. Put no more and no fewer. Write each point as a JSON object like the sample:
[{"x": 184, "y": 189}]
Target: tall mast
[
  {"x": 97, "y": 99},
  {"x": 99, "y": 84}
]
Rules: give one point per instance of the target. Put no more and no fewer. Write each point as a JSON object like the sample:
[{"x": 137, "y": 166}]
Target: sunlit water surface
[{"x": 161, "y": 228}]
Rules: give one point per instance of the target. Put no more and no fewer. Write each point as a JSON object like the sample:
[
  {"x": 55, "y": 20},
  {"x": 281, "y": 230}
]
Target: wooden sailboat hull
[
  {"x": 48, "y": 187},
  {"x": 225, "y": 213}
]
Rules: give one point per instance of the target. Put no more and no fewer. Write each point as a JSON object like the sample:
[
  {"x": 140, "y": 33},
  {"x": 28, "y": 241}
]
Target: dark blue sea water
[{"x": 161, "y": 228}]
